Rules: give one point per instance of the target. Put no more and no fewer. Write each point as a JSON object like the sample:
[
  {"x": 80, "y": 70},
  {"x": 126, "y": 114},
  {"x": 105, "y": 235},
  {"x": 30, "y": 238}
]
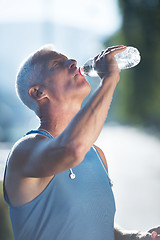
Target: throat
[
  {"x": 56, "y": 119},
  {"x": 55, "y": 126}
]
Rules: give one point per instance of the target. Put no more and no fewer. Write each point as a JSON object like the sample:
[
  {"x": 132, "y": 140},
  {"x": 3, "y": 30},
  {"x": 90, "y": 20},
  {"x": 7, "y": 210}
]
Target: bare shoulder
[
  {"x": 21, "y": 189},
  {"x": 21, "y": 151},
  {"x": 101, "y": 153}
]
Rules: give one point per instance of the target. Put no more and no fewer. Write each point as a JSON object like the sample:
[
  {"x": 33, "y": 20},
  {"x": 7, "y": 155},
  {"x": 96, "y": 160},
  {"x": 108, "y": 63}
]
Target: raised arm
[{"x": 49, "y": 157}]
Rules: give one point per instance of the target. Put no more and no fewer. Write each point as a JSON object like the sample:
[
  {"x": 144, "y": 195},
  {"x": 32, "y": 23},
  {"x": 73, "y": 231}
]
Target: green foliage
[
  {"x": 138, "y": 91},
  {"x": 5, "y": 224}
]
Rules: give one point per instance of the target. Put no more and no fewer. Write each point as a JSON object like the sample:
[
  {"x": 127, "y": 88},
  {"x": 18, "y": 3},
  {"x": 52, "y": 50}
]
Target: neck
[{"x": 56, "y": 119}]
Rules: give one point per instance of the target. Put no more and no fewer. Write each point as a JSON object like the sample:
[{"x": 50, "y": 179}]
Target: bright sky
[{"x": 100, "y": 16}]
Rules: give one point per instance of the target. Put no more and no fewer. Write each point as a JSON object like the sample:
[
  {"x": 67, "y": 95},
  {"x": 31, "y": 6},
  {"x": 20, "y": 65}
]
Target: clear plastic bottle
[{"x": 127, "y": 59}]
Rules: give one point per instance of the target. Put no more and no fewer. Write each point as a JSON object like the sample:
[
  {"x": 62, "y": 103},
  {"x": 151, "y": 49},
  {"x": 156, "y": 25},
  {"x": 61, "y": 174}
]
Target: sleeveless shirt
[{"x": 82, "y": 208}]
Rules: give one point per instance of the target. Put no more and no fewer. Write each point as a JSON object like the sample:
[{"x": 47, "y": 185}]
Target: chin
[
  {"x": 82, "y": 90},
  {"x": 87, "y": 86}
]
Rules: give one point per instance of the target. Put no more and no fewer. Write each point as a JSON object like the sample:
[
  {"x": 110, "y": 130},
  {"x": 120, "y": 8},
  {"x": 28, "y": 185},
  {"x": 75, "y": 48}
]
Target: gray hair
[{"x": 30, "y": 74}]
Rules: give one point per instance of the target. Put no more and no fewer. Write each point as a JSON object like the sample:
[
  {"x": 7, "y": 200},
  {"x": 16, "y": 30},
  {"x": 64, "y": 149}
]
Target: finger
[
  {"x": 99, "y": 55},
  {"x": 113, "y": 47},
  {"x": 118, "y": 50},
  {"x": 108, "y": 50}
]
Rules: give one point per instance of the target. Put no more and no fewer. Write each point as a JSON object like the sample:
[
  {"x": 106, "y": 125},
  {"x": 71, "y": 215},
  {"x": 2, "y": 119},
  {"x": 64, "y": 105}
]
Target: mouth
[
  {"x": 78, "y": 73},
  {"x": 79, "y": 78}
]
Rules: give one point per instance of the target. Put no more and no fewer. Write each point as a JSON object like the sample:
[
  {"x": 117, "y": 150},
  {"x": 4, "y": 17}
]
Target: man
[{"x": 56, "y": 182}]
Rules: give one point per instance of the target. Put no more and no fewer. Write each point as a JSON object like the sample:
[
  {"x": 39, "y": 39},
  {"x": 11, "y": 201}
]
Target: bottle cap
[{"x": 80, "y": 70}]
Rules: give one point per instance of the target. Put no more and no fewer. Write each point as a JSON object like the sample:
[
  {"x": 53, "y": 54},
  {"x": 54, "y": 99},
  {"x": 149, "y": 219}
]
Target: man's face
[{"x": 63, "y": 81}]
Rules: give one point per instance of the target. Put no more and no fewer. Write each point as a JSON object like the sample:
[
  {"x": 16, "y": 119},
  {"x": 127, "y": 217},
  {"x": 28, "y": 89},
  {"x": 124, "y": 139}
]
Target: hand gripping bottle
[{"x": 127, "y": 59}]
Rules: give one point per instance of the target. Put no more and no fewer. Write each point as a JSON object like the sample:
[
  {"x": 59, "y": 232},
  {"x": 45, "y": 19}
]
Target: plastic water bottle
[{"x": 127, "y": 59}]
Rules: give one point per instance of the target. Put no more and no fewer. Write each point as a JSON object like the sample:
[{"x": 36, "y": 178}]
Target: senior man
[{"x": 56, "y": 180}]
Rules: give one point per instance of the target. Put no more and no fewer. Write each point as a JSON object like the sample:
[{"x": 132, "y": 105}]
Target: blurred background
[{"x": 130, "y": 138}]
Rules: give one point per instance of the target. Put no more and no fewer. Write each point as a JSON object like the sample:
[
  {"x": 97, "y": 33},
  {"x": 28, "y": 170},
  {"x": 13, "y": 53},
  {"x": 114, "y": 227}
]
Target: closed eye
[
  {"x": 55, "y": 64},
  {"x": 72, "y": 63}
]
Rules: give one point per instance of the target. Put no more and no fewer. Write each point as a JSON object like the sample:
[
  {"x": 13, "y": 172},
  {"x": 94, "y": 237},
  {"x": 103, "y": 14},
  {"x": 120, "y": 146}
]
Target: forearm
[
  {"x": 86, "y": 126},
  {"x": 88, "y": 122}
]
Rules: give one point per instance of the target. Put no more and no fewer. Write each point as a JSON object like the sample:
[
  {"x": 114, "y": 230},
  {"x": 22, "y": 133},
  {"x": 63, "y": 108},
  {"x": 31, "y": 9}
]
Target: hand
[
  {"x": 106, "y": 64},
  {"x": 156, "y": 229},
  {"x": 155, "y": 233},
  {"x": 151, "y": 234}
]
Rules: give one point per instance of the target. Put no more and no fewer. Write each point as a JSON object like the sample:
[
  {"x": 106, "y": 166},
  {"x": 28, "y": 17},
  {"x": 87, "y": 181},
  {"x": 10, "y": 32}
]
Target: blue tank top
[{"x": 82, "y": 208}]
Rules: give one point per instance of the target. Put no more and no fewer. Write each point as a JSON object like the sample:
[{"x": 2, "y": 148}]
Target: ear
[{"x": 37, "y": 93}]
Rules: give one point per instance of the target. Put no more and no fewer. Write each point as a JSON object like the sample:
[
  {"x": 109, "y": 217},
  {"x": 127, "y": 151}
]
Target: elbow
[{"x": 76, "y": 153}]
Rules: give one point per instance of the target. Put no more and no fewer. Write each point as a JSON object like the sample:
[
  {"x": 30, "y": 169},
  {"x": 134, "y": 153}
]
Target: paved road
[{"x": 134, "y": 166}]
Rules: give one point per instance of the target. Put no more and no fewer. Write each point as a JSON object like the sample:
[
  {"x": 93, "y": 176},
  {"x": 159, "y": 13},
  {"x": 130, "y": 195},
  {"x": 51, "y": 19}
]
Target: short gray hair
[{"x": 29, "y": 74}]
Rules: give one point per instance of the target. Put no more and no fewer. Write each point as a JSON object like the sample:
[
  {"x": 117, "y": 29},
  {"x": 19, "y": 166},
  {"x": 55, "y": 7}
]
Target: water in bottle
[{"x": 127, "y": 59}]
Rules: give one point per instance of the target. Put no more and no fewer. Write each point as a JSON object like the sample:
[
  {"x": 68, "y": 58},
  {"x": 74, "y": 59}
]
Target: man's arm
[
  {"x": 49, "y": 157},
  {"x": 120, "y": 234}
]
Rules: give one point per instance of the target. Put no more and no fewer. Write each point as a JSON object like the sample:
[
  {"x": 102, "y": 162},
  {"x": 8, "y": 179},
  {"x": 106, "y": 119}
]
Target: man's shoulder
[
  {"x": 23, "y": 148},
  {"x": 20, "y": 187}
]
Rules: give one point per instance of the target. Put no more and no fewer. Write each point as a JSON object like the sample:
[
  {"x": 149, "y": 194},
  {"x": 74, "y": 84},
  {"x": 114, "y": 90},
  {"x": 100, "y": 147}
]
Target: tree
[{"x": 139, "y": 88}]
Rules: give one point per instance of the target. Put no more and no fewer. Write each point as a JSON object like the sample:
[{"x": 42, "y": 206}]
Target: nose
[{"x": 72, "y": 63}]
